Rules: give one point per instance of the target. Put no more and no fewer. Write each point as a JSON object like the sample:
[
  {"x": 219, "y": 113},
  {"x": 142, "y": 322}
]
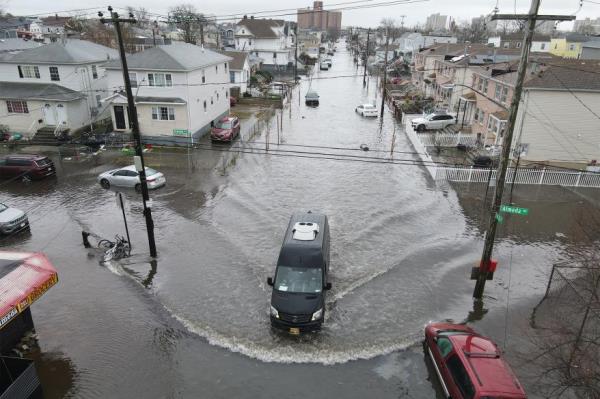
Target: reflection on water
[{"x": 56, "y": 372}]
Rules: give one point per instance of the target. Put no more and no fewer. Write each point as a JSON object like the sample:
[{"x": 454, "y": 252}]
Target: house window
[
  {"x": 98, "y": 97},
  {"x": 504, "y": 95},
  {"x": 204, "y": 105},
  {"x": 54, "y": 73},
  {"x": 491, "y": 125},
  {"x": 217, "y": 96},
  {"x": 160, "y": 79},
  {"x": 485, "y": 86},
  {"x": 17, "y": 107},
  {"x": 231, "y": 77},
  {"x": 256, "y": 53},
  {"x": 519, "y": 44},
  {"x": 29, "y": 71},
  {"x": 163, "y": 113},
  {"x": 571, "y": 47},
  {"x": 506, "y": 44},
  {"x": 216, "y": 68},
  {"x": 498, "y": 92},
  {"x": 203, "y": 77},
  {"x": 225, "y": 67},
  {"x": 226, "y": 94},
  {"x": 274, "y": 55},
  {"x": 94, "y": 72},
  {"x": 543, "y": 46},
  {"x": 133, "y": 79},
  {"x": 211, "y": 101},
  {"x": 249, "y": 42}
]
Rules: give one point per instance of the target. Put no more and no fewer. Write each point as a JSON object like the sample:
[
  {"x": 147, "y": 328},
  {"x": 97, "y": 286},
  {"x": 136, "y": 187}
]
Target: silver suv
[
  {"x": 436, "y": 120},
  {"x": 12, "y": 219}
]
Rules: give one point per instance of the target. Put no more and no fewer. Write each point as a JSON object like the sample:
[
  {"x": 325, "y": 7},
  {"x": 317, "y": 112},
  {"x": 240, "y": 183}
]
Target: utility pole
[
  {"x": 387, "y": 40},
  {"x": 154, "y": 29},
  {"x": 490, "y": 234},
  {"x": 366, "y": 59},
  {"x": 296, "y": 63},
  {"x": 135, "y": 127}
]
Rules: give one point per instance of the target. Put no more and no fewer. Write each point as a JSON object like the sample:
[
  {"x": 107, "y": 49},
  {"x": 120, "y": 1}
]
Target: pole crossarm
[{"x": 525, "y": 17}]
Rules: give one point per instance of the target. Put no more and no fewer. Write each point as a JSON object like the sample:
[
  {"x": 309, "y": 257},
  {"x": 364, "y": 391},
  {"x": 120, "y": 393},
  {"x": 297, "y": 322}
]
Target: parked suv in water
[
  {"x": 12, "y": 219},
  {"x": 26, "y": 165},
  {"x": 469, "y": 365},
  {"x": 301, "y": 276}
]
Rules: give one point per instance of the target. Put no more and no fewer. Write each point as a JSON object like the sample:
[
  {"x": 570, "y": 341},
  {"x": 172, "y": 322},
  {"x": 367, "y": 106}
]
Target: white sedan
[
  {"x": 129, "y": 177},
  {"x": 367, "y": 110}
]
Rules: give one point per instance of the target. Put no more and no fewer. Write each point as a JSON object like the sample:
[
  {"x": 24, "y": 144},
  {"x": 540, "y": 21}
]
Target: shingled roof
[
  {"x": 261, "y": 28},
  {"x": 568, "y": 75},
  {"x": 172, "y": 57},
  {"x": 72, "y": 51},
  {"x": 238, "y": 59}
]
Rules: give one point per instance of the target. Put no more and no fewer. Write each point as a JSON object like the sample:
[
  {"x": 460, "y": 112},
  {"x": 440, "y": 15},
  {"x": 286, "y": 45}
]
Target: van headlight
[
  {"x": 274, "y": 312},
  {"x": 317, "y": 315}
]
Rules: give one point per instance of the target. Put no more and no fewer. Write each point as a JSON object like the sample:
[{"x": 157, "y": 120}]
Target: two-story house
[
  {"x": 180, "y": 91},
  {"x": 57, "y": 86},
  {"x": 267, "y": 39},
  {"x": 49, "y": 27},
  {"x": 570, "y": 45},
  {"x": 423, "y": 65},
  {"x": 240, "y": 70},
  {"x": 540, "y": 43}
]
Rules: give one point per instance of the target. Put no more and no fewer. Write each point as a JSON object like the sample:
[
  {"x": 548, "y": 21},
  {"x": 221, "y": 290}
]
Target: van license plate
[{"x": 294, "y": 331}]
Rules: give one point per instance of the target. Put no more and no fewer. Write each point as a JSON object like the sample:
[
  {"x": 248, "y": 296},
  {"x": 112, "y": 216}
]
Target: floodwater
[{"x": 194, "y": 323}]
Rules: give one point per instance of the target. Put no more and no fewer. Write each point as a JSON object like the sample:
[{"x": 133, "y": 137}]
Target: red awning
[{"x": 24, "y": 277}]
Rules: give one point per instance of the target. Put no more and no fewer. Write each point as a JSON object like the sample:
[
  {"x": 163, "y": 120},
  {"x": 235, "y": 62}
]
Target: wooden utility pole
[
  {"x": 387, "y": 41},
  {"x": 133, "y": 122},
  {"x": 366, "y": 59},
  {"x": 296, "y": 63},
  {"x": 490, "y": 234}
]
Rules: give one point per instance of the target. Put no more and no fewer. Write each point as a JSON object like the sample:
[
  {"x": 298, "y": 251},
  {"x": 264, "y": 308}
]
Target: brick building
[{"x": 319, "y": 19}]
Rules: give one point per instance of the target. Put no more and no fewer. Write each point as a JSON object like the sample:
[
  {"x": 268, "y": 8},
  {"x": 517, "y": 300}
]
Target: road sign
[
  {"x": 499, "y": 218},
  {"x": 181, "y": 132},
  {"x": 515, "y": 210}
]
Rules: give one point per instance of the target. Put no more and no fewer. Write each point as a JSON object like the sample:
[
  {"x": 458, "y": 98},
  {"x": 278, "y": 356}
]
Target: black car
[{"x": 301, "y": 276}]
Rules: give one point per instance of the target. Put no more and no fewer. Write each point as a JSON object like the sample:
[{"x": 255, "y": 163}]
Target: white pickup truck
[{"x": 436, "y": 120}]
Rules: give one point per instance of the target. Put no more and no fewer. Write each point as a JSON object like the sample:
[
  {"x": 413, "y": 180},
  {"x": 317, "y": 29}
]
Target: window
[
  {"x": 203, "y": 77},
  {"x": 249, "y": 42},
  {"x": 29, "y": 71},
  {"x": 504, "y": 95},
  {"x": 133, "y": 79},
  {"x": 163, "y": 113},
  {"x": 444, "y": 345},
  {"x": 519, "y": 44},
  {"x": 498, "y": 92},
  {"x": 460, "y": 377},
  {"x": 217, "y": 96},
  {"x": 491, "y": 125},
  {"x": 231, "y": 77},
  {"x": 98, "y": 97},
  {"x": 211, "y": 101},
  {"x": 216, "y": 68},
  {"x": 571, "y": 47},
  {"x": 54, "y": 73},
  {"x": 506, "y": 44},
  {"x": 543, "y": 46},
  {"x": 17, "y": 107},
  {"x": 485, "y": 86},
  {"x": 204, "y": 105},
  {"x": 94, "y": 72},
  {"x": 159, "y": 79},
  {"x": 274, "y": 55},
  {"x": 226, "y": 94},
  {"x": 225, "y": 67}
]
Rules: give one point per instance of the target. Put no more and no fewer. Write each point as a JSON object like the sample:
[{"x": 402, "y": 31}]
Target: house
[
  {"x": 239, "y": 70},
  {"x": 411, "y": 42},
  {"x": 570, "y": 45},
  {"x": 423, "y": 65},
  {"x": 56, "y": 86},
  {"x": 392, "y": 52},
  {"x": 590, "y": 50},
  {"x": 180, "y": 90},
  {"x": 12, "y": 27},
  {"x": 540, "y": 43},
  {"x": 44, "y": 28},
  {"x": 227, "y": 32},
  {"x": 267, "y": 39}
]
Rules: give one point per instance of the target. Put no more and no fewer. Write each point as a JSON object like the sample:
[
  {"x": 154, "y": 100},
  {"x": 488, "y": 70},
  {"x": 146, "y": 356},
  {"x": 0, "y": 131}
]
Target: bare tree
[
  {"x": 190, "y": 21},
  {"x": 140, "y": 14},
  {"x": 392, "y": 28}
]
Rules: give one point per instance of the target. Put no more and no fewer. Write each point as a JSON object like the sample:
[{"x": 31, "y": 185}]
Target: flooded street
[{"x": 195, "y": 322}]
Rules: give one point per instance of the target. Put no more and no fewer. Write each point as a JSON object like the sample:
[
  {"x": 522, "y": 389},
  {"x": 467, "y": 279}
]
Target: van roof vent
[{"x": 305, "y": 231}]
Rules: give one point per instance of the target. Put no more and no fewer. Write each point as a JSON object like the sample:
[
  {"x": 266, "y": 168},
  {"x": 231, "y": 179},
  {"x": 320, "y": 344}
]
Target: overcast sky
[{"x": 415, "y": 13}]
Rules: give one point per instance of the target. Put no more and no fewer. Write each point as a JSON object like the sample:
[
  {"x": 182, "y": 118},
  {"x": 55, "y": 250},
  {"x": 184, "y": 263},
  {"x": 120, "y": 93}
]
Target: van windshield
[{"x": 299, "y": 279}]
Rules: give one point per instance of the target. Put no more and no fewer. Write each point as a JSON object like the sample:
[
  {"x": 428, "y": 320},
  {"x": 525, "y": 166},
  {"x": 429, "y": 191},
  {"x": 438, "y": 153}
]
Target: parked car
[
  {"x": 328, "y": 61},
  {"x": 129, "y": 177},
  {"x": 27, "y": 165},
  {"x": 301, "y": 275},
  {"x": 311, "y": 98},
  {"x": 367, "y": 110},
  {"x": 12, "y": 219},
  {"x": 482, "y": 161},
  {"x": 324, "y": 66},
  {"x": 277, "y": 89},
  {"x": 226, "y": 129},
  {"x": 469, "y": 365},
  {"x": 433, "y": 121}
]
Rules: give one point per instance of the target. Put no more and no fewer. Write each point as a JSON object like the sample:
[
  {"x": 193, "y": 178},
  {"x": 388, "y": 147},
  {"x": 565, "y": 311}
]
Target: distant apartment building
[
  {"x": 436, "y": 22},
  {"x": 319, "y": 19},
  {"x": 587, "y": 26}
]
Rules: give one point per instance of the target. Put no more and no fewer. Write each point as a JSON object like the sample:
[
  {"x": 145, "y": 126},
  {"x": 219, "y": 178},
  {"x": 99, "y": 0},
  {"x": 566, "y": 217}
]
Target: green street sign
[
  {"x": 515, "y": 210},
  {"x": 499, "y": 218},
  {"x": 181, "y": 132}
]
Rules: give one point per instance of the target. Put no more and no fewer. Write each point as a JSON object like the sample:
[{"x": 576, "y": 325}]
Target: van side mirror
[
  {"x": 328, "y": 286},
  {"x": 270, "y": 281}
]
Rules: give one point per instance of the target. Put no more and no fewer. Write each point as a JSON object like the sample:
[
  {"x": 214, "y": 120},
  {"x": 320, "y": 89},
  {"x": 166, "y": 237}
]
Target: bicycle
[{"x": 115, "y": 250}]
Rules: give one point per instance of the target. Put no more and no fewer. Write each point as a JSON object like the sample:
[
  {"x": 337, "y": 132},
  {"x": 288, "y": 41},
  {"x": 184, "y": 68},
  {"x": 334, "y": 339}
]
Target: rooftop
[
  {"x": 9, "y": 45},
  {"x": 173, "y": 57},
  {"x": 262, "y": 28},
  {"x": 571, "y": 75},
  {"x": 71, "y": 51},
  {"x": 37, "y": 91},
  {"x": 238, "y": 58}
]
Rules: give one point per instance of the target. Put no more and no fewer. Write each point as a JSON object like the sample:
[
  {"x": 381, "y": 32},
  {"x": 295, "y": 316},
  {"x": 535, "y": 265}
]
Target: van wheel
[
  {"x": 104, "y": 183},
  {"x": 138, "y": 188}
]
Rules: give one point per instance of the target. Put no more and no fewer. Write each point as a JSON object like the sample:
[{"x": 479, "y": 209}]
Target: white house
[
  {"x": 63, "y": 81},
  {"x": 49, "y": 26},
  {"x": 265, "y": 38},
  {"x": 539, "y": 44},
  {"x": 180, "y": 90},
  {"x": 239, "y": 69}
]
